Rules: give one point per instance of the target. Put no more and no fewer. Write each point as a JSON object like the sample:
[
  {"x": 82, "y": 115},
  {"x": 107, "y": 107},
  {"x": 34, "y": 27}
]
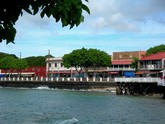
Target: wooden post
[
  {"x": 80, "y": 78},
  {"x": 163, "y": 95},
  {"x": 87, "y": 79},
  {"x": 57, "y": 79},
  {"x": 94, "y": 79},
  {"x": 118, "y": 91},
  {"x": 101, "y": 79},
  {"x": 163, "y": 92}
]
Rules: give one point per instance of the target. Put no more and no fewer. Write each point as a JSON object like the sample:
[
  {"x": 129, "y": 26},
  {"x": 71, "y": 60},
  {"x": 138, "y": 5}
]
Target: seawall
[{"x": 59, "y": 84}]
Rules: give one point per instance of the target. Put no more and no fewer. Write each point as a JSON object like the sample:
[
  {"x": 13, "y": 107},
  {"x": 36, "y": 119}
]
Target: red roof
[
  {"x": 121, "y": 62},
  {"x": 157, "y": 56}
]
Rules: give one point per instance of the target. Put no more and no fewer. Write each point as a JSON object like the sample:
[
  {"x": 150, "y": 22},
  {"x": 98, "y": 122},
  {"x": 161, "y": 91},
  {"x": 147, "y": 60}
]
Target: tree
[
  {"x": 36, "y": 60},
  {"x": 97, "y": 59},
  {"x": 10, "y": 63},
  {"x": 82, "y": 59},
  {"x": 155, "y": 49},
  {"x": 20, "y": 64},
  {"x": 2, "y": 55},
  {"x": 69, "y": 12},
  {"x": 134, "y": 64},
  {"x": 77, "y": 59},
  {"x": 7, "y": 62}
]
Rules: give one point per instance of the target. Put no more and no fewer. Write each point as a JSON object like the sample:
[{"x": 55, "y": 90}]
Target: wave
[
  {"x": 75, "y": 90},
  {"x": 42, "y": 88},
  {"x": 68, "y": 121}
]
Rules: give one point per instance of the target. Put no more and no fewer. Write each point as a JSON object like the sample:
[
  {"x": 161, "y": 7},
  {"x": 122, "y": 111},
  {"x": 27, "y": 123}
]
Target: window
[
  {"x": 120, "y": 56},
  {"x": 49, "y": 64},
  {"x": 61, "y": 64},
  {"x": 55, "y": 64}
]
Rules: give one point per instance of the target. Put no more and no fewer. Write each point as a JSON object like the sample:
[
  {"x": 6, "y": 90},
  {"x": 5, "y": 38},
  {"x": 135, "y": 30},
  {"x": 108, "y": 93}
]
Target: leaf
[
  {"x": 42, "y": 14},
  {"x": 84, "y": 7},
  {"x": 48, "y": 11},
  {"x": 35, "y": 8},
  {"x": 28, "y": 10}
]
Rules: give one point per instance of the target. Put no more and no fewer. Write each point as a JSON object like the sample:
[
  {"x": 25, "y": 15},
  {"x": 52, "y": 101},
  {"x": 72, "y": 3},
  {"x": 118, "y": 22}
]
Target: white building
[{"x": 55, "y": 68}]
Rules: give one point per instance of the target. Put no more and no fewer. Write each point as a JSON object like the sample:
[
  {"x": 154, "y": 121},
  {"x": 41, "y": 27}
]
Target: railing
[
  {"x": 140, "y": 80},
  {"x": 161, "y": 82},
  {"x": 118, "y": 69},
  {"x": 150, "y": 67},
  {"x": 108, "y": 79}
]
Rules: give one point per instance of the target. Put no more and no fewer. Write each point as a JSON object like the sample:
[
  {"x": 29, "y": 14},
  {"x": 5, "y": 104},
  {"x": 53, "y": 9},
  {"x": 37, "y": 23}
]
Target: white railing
[
  {"x": 108, "y": 79},
  {"x": 161, "y": 82},
  {"x": 138, "y": 79},
  {"x": 118, "y": 69}
]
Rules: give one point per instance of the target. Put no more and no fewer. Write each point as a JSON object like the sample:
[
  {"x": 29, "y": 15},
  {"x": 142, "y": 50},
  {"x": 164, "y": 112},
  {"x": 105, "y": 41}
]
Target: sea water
[{"x": 53, "y": 106}]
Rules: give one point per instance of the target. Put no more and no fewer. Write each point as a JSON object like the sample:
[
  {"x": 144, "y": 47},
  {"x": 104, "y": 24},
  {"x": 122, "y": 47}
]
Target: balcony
[
  {"x": 138, "y": 79},
  {"x": 121, "y": 69},
  {"x": 151, "y": 67}
]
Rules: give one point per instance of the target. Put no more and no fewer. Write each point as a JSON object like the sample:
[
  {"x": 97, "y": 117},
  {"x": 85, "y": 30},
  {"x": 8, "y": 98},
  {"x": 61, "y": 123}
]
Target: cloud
[{"x": 125, "y": 15}]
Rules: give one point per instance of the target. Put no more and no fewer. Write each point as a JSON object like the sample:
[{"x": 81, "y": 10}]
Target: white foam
[
  {"x": 68, "y": 121},
  {"x": 42, "y": 88},
  {"x": 113, "y": 91}
]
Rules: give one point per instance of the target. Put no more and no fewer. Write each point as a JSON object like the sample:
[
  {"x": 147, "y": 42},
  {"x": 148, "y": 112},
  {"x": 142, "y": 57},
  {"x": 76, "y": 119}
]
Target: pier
[
  {"x": 140, "y": 86},
  {"x": 132, "y": 86}
]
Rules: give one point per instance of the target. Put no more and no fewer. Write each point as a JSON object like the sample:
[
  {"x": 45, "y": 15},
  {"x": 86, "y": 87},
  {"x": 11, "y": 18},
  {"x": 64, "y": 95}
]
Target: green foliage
[
  {"x": 155, "y": 49},
  {"x": 49, "y": 56},
  {"x": 20, "y": 64},
  {"x": 98, "y": 58},
  {"x": 36, "y": 61},
  {"x": 2, "y": 55},
  {"x": 9, "y": 62},
  {"x": 69, "y": 12},
  {"x": 86, "y": 58},
  {"x": 134, "y": 63}
]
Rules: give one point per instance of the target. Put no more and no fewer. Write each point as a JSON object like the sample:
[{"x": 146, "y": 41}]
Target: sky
[{"x": 112, "y": 26}]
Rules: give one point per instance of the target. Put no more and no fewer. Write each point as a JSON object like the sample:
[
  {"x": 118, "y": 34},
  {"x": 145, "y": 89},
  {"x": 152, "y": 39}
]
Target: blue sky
[{"x": 112, "y": 26}]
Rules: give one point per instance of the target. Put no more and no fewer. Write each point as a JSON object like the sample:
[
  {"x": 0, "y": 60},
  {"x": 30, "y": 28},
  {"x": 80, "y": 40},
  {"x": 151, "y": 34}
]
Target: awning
[
  {"x": 129, "y": 74},
  {"x": 147, "y": 72},
  {"x": 113, "y": 72},
  {"x": 62, "y": 72},
  {"x": 2, "y": 75},
  {"x": 154, "y": 72},
  {"x": 141, "y": 72}
]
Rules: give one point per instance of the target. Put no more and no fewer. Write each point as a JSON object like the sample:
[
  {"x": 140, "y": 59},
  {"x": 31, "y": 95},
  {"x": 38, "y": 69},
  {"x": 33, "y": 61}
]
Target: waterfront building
[
  {"x": 33, "y": 71},
  {"x": 152, "y": 65},
  {"x": 55, "y": 68},
  {"x": 121, "y": 63}
]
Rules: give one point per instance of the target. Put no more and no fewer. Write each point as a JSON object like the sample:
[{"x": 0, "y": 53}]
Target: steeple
[{"x": 49, "y": 52}]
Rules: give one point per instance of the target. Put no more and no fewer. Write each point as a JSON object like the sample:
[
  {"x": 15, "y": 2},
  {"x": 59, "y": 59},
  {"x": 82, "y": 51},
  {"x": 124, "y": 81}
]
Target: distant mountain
[
  {"x": 2, "y": 55},
  {"x": 32, "y": 60}
]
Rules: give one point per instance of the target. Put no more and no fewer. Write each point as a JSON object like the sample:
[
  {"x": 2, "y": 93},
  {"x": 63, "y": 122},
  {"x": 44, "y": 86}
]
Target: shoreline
[
  {"x": 108, "y": 89},
  {"x": 60, "y": 85},
  {"x": 80, "y": 86}
]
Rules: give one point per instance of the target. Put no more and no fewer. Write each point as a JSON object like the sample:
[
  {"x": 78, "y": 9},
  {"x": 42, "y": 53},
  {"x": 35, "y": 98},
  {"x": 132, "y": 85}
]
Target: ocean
[{"x": 54, "y": 106}]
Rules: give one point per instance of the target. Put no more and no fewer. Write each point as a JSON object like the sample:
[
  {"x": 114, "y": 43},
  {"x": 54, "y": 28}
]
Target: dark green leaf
[
  {"x": 28, "y": 10},
  {"x": 84, "y": 7}
]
